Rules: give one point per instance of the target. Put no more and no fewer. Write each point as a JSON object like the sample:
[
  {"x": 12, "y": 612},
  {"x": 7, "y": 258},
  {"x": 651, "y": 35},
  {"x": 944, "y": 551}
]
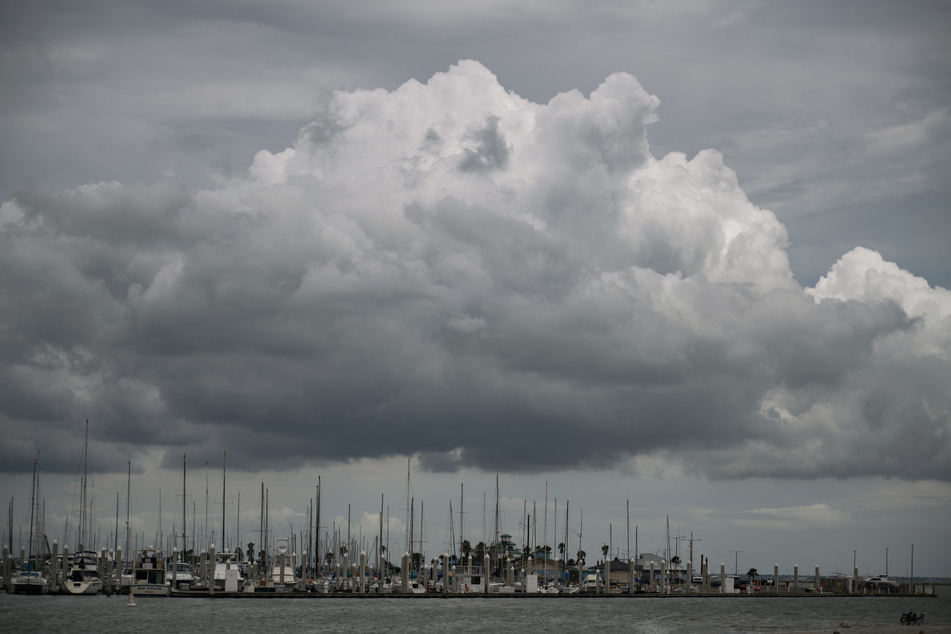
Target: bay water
[{"x": 667, "y": 615}]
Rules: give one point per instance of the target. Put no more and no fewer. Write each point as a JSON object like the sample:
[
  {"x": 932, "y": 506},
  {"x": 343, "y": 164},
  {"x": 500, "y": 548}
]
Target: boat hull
[
  {"x": 32, "y": 586},
  {"x": 150, "y": 590},
  {"x": 83, "y": 587}
]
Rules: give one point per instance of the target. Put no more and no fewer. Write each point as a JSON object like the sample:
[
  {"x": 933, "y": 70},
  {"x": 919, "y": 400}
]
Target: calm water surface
[{"x": 98, "y": 614}]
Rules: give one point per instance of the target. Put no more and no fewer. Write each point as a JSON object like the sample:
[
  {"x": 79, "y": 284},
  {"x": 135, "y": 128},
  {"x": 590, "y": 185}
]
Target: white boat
[
  {"x": 29, "y": 582},
  {"x": 228, "y": 575},
  {"x": 181, "y": 576},
  {"x": 149, "y": 574},
  {"x": 282, "y": 573},
  {"x": 83, "y": 577},
  {"x": 881, "y": 581}
]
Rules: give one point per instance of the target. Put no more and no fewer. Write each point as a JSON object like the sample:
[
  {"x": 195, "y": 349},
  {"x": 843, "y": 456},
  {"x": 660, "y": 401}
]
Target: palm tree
[
  {"x": 604, "y": 551},
  {"x": 581, "y": 555},
  {"x": 752, "y": 574},
  {"x": 561, "y": 549}
]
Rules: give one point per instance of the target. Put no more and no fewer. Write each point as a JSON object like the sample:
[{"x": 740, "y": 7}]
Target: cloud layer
[{"x": 451, "y": 270}]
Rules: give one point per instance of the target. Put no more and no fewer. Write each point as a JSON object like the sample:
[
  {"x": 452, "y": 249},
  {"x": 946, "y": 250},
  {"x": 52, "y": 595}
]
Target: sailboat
[
  {"x": 83, "y": 577},
  {"x": 30, "y": 579},
  {"x": 180, "y": 572}
]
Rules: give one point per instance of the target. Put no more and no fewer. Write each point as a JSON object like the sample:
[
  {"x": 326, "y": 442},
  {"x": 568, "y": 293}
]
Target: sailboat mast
[
  {"x": 32, "y": 502},
  {"x": 317, "y": 547},
  {"x": 379, "y": 567},
  {"x": 452, "y": 530},
  {"x": 498, "y": 555},
  {"x": 224, "y": 470},
  {"x": 545, "y": 535},
  {"x": 409, "y": 530},
  {"x": 128, "y": 492},
  {"x": 184, "y": 513},
  {"x": 82, "y": 498},
  {"x": 628, "y": 529},
  {"x": 565, "y": 554}
]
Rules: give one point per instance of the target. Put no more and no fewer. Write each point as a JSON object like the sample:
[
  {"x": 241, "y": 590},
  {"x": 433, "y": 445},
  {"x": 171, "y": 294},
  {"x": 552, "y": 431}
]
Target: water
[{"x": 78, "y": 614}]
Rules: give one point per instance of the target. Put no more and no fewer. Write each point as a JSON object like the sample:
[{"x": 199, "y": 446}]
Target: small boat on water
[
  {"x": 83, "y": 575},
  {"x": 149, "y": 577}
]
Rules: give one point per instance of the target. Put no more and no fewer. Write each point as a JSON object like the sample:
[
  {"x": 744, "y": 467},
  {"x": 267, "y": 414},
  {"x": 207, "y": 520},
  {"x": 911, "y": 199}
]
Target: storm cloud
[{"x": 450, "y": 270}]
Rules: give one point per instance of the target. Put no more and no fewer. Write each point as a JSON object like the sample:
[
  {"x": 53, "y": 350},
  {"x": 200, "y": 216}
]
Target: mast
[
  {"x": 205, "y": 527},
  {"x": 224, "y": 474},
  {"x": 498, "y": 555},
  {"x": 261, "y": 529},
  {"x": 554, "y": 528},
  {"x": 564, "y": 556},
  {"x": 267, "y": 518},
  {"x": 83, "y": 519},
  {"x": 184, "y": 514},
  {"x": 409, "y": 531},
  {"x": 667, "y": 552},
  {"x": 317, "y": 550},
  {"x": 32, "y": 502},
  {"x": 452, "y": 530},
  {"x": 379, "y": 567},
  {"x": 545, "y": 535},
  {"x": 462, "y": 497},
  {"x": 128, "y": 492}
]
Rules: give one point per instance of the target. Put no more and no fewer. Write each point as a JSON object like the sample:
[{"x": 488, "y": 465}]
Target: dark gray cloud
[{"x": 359, "y": 295}]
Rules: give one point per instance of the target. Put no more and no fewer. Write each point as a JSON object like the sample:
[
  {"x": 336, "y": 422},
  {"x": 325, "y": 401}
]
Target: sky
[{"x": 656, "y": 259}]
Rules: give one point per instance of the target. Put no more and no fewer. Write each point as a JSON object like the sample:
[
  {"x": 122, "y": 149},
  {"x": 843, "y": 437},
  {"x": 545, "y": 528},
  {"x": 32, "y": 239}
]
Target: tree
[
  {"x": 604, "y": 551},
  {"x": 466, "y": 548},
  {"x": 250, "y": 550},
  {"x": 561, "y": 549},
  {"x": 581, "y": 555},
  {"x": 752, "y": 574}
]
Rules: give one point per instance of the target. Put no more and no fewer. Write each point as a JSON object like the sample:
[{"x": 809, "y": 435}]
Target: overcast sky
[{"x": 691, "y": 255}]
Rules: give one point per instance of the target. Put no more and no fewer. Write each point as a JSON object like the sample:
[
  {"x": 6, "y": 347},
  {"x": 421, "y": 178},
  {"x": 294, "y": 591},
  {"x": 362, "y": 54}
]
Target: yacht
[
  {"x": 83, "y": 575},
  {"x": 149, "y": 574}
]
